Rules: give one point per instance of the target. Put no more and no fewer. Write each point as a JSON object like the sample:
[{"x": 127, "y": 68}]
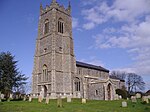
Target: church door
[
  {"x": 44, "y": 91},
  {"x": 109, "y": 91}
]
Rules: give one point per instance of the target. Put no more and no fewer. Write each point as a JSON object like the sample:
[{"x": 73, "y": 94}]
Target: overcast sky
[{"x": 114, "y": 34}]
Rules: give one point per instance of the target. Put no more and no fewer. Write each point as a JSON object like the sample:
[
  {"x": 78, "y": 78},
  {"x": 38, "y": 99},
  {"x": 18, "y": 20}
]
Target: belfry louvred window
[
  {"x": 60, "y": 26},
  {"x": 46, "y": 26}
]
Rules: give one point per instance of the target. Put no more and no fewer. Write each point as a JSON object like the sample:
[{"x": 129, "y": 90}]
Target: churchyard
[{"x": 73, "y": 105}]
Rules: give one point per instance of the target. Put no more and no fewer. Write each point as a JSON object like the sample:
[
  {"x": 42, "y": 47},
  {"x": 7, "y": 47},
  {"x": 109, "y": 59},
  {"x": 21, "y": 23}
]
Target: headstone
[
  {"x": 40, "y": 99},
  {"x": 124, "y": 104},
  {"x": 83, "y": 100},
  {"x": 47, "y": 100},
  {"x": 116, "y": 97},
  {"x": 145, "y": 98},
  {"x": 0, "y": 97},
  {"x": 68, "y": 98},
  {"x": 120, "y": 97},
  {"x": 133, "y": 99},
  {"x": 8, "y": 99},
  {"x": 34, "y": 95},
  {"x": 42, "y": 94},
  {"x": 59, "y": 102},
  {"x": 147, "y": 101},
  {"x": 11, "y": 96},
  {"x": 30, "y": 98},
  {"x": 17, "y": 96},
  {"x": 24, "y": 98},
  {"x": 79, "y": 95},
  {"x": 20, "y": 96},
  {"x": 138, "y": 95}
]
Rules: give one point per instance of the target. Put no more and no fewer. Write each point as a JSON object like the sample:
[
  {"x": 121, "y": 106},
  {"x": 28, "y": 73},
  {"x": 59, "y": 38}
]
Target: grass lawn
[{"x": 74, "y": 106}]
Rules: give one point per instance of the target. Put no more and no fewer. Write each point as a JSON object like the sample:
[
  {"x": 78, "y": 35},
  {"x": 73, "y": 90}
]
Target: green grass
[{"x": 74, "y": 106}]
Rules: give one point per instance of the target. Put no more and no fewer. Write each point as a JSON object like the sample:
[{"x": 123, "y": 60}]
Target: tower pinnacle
[
  {"x": 53, "y": 1},
  {"x": 41, "y": 8},
  {"x": 69, "y": 6}
]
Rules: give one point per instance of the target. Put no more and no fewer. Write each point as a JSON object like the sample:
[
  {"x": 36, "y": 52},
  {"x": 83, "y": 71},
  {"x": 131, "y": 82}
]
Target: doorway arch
[
  {"x": 109, "y": 91},
  {"x": 44, "y": 90}
]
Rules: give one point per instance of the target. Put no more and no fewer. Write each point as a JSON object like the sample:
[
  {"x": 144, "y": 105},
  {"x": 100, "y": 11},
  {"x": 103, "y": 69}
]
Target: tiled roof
[{"x": 85, "y": 65}]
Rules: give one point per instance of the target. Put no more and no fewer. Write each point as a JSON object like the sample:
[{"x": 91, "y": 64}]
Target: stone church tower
[
  {"x": 54, "y": 60},
  {"x": 56, "y": 72}
]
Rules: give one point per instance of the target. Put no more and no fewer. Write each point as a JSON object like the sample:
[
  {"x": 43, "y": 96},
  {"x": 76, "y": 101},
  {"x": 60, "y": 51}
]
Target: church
[{"x": 56, "y": 71}]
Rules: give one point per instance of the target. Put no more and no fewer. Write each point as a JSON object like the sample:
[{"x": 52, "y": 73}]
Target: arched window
[
  {"x": 96, "y": 92},
  {"x": 46, "y": 26},
  {"x": 77, "y": 84},
  {"x": 45, "y": 73},
  {"x": 60, "y": 26}
]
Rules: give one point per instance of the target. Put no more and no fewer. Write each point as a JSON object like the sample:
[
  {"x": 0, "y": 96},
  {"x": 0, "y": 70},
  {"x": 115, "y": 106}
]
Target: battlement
[{"x": 55, "y": 5}]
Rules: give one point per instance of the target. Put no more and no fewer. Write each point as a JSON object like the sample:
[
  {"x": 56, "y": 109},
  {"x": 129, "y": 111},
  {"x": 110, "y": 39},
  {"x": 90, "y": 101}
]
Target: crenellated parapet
[{"x": 57, "y": 6}]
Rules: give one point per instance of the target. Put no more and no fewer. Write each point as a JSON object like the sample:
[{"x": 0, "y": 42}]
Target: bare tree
[
  {"x": 118, "y": 74},
  {"x": 135, "y": 82}
]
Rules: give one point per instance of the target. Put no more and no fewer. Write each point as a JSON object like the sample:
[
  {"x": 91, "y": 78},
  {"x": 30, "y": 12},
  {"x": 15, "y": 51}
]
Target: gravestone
[
  {"x": 59, "y": 102},
  {"x": 83, "y": 100},
  {"x": 42, "y": 94},
  {"x": 0, "y": 97},
  {"x": 30, "y": 98},
  {"x": 124, "y": 104},
  {"x": 11, "y": 96},
  {"x": 116, "y": 97},
  {"x": 138, "y": 95},
  {"x": 24, "y": 98},
  {"x": 47, "y": 100},
  {"x": 8, "y": 100},
  {"x": 147, "y": 101},
  {"x": 120, "y": 97},
  {"x": 68, "y": 98},
  {"x": 79, "y": 95},
  {"x": 40, "y": 99},
  {"x": 133, "y": 99},
  {"x": 145, "y": 98},
  {"x": 17, "y": 96}
]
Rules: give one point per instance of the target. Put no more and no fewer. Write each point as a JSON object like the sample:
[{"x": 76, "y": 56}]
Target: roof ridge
[{"x": 91, "y": 66}]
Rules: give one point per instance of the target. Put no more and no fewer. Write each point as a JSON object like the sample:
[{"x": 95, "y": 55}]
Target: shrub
[
  {"x": 144, "y": 102},
  {"x": 121, "y": 92},
  {"x": 146, "y": 108}
]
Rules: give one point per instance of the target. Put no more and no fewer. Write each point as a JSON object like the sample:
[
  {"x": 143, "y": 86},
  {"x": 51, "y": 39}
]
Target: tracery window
[
  {"x": 45, "y": 73},
  {"x": 77, "y": 84}
]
